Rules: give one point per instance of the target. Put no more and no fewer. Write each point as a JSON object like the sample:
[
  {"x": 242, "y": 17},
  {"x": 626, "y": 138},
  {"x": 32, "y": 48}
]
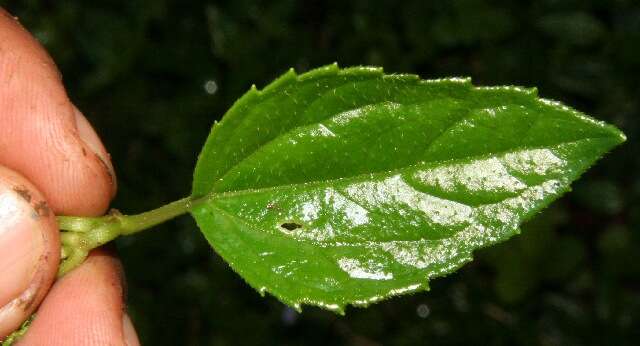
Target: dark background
[{"x": 138, "y": 70}]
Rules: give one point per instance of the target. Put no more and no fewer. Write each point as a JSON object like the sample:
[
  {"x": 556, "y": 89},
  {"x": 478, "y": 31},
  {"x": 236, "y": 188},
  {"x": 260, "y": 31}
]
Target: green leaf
[{"x": 348, "y": 186}]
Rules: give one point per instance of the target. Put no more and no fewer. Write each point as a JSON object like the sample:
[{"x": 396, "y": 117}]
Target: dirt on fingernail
[{"x": 23, "y": 192}]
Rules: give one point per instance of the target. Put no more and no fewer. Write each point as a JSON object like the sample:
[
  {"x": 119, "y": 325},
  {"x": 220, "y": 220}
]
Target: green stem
[
  {"x": 82, "y": 234},
  {"x": 79, "y": 235}
]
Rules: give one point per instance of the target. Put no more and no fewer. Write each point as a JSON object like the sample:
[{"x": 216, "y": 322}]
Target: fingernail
[
  {"x": 21, "y": 241},
  {"x": 93, "y": 142},
  {"x": 130, "y": 335}
]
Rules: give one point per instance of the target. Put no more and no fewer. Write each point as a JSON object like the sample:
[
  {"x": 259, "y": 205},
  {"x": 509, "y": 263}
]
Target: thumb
[{"x": 29, "y": 249}]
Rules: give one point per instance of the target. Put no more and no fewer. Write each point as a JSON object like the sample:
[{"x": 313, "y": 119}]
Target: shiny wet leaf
[{"x": 348, "y": 186}]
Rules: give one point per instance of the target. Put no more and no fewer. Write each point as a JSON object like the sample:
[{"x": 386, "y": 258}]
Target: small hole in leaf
[{"x": 291, "y": 226}]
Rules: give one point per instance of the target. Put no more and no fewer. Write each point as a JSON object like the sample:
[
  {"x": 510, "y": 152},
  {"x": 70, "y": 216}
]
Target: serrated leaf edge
[{"x": 291, "y": 77}]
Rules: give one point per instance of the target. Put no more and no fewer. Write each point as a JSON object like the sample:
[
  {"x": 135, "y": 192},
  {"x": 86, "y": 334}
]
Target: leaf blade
[{"x": 383, "y": 191}]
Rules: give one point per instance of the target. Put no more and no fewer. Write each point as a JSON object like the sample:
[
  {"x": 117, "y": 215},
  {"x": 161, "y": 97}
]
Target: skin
[{"x": 51, "y": 162}]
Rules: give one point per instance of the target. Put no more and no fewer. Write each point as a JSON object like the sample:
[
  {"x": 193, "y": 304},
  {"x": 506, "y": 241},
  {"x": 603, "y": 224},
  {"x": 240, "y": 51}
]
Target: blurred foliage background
[{"x": 153, "y": 75}]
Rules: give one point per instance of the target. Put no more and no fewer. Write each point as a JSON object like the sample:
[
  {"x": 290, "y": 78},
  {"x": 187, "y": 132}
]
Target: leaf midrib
[
  {"x": 230, "y": 194},
  {"x": 256, "y": 150}
]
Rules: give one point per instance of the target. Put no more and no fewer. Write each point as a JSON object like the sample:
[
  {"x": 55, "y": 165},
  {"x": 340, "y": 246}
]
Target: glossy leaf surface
[{"x": 347, "y": 186}]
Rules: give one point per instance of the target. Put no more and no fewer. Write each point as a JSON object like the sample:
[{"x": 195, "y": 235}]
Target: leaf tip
[
  {"x": 620, "y": 136},
  {"x": 612, "y": 132},
  {"x": 617, "y": 136}
]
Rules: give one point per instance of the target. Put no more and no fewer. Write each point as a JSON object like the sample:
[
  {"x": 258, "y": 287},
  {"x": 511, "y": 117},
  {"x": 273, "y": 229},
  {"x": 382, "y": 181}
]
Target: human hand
[{"x": 51, "y": 162}]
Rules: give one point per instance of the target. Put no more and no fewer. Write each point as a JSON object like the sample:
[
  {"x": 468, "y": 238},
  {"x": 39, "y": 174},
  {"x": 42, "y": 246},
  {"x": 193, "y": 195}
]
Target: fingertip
[
  {"x": 129, "y": 331},
  {"x": 29, "y": 249},
  {"x": 74, "y": 180},
  {"x": 85, "y": 307},
  {"x": 79, "y": 178},
  {"x": 90, "y": 138},
  {"x": 42, "y": 135}
]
